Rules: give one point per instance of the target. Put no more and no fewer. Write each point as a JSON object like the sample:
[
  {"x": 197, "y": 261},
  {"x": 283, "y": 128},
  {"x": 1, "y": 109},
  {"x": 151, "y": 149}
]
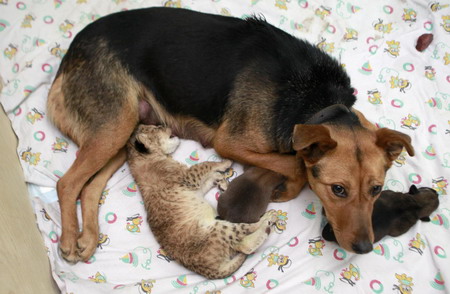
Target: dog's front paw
[
  {"x": 279, "y": 193},
  {"x": 86, "y": 245}
]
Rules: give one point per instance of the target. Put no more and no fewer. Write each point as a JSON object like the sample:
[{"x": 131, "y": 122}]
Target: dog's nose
[{"x": 362, "y": 247}]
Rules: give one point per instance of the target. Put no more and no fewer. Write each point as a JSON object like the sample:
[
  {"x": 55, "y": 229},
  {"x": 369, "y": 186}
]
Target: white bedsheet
[{"x": 374, "y": 40}]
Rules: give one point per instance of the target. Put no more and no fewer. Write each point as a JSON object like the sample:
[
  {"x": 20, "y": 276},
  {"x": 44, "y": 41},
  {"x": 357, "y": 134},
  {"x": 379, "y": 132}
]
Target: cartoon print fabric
[{"x": 397, "y": 87}]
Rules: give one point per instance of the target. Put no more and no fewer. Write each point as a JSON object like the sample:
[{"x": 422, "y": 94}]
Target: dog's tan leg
[
  {"x": 286, "y": 165},
  {"x": 68, "y": 187},
  {"x": 94, "y": 101},
  {"x": 90, "y": 196},
  {"x": 94, "y": 153},
  {"x": 248, "y": 150}
]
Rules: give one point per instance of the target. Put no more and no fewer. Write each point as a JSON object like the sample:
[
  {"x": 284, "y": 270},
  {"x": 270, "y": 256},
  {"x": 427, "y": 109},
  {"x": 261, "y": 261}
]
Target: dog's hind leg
[
  {"x": 90, "y": 196},
  {"x": 93, "y": 155},
  {"x": 99, "y": 117}
]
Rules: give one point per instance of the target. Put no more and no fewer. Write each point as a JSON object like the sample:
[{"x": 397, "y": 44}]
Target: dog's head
[
  {"x": 346, "y": 167},
  {"x": 149, "y": 139}
]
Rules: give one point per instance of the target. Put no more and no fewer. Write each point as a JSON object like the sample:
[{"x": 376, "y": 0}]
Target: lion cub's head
[{"x": 148, "y": 139}]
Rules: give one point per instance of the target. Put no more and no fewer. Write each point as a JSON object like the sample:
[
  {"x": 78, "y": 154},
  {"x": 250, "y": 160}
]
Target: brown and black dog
[
  {"x": 394, "y": 213},
  {"x": 253, "y": 92}
]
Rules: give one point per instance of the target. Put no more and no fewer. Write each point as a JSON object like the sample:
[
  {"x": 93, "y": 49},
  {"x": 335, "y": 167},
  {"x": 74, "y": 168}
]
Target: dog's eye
[
  {"x": 339, "y": 191},
  {"x": 376, "y": 190}
]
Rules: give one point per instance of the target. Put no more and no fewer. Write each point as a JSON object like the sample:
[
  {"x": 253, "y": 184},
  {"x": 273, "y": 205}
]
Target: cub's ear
[
  {"x": 393, "y": 143},
  {"x": 413, "y": 190},
  {"x": 139, "y": 146},
  {"x": 312, "y": 142}
]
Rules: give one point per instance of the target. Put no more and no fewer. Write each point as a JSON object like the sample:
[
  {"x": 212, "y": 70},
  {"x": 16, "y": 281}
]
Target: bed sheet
[{"x": 397, "y": 87}]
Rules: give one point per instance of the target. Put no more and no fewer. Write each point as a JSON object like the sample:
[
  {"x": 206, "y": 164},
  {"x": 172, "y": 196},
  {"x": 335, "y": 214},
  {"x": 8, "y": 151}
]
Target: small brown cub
[
  {"x": 395, "y": 213},
  {"x": 247, "y": 197},
  {"x": 182, "y": 221}
]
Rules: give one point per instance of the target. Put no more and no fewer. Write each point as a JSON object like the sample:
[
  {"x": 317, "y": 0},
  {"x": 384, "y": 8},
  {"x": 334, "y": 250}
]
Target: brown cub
[
  {"x": 247, "y": 197},
  {"x": 182, "y": 221},
  {"x": 395, "y": 213}
]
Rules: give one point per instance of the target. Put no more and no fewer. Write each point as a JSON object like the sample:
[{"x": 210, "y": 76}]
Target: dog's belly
[{"x": 146, "y": 114}]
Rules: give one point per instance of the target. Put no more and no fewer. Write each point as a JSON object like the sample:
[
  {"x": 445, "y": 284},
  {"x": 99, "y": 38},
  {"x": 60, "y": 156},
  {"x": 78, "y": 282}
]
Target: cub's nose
[{"x": 362, "y": 247}]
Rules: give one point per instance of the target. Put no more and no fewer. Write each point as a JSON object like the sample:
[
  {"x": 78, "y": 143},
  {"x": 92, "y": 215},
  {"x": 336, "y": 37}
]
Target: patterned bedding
[{"x": 397, "y": 87}]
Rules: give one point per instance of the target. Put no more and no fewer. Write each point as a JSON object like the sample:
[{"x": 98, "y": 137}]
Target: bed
[{"x": 397, "y": 87}]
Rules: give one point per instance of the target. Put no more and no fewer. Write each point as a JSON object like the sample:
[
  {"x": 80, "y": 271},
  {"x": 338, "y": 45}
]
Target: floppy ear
[
  {"x": 312, "y": 142},
  {"x": 413, "y": 190},
  {"x": 393, "y": 142}
]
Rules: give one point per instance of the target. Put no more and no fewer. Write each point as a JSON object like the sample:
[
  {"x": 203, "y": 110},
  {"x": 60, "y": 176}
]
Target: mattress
[{"x": 397, "y": 87}]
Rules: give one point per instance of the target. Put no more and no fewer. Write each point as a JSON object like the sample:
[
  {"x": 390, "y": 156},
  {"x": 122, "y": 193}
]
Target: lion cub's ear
[
  {"x": 393, "y": 143},
  {"x": 312, "y": 142},
  {"x": 139, "y": 146}
]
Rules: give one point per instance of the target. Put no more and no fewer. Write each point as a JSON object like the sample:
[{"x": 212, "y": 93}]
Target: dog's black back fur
[{"x": 158, "y": 46}]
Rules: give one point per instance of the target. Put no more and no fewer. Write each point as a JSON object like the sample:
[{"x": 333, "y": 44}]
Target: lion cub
[{"x": 182, "y": 221}]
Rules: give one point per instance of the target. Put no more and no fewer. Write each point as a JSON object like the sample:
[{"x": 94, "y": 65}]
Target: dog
[
  {"x": 183, "y": 223},
  {"x": 247, "y": 196},
  {"x": 256, "y": 94},
  {"x": 394, "y": 213}
]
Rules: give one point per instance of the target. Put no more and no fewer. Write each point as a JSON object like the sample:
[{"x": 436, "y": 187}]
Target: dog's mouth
[
  {"x": 352, "y": 241},
  {"x": 359, "y": 246}
]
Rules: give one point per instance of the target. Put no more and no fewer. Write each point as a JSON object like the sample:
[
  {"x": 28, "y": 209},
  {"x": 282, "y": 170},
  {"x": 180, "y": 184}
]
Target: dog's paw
[
  {"x": 86, "y": 245},
  {"x": 279, "y": 193},
  {"x": 68, "y": 249}
]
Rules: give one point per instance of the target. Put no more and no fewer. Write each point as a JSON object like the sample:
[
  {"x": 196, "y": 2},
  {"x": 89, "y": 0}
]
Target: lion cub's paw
[
  {"x": 223, "y": 166},
  {"x": 272, "y": 215},
  {"x": 222, "y": 184}
]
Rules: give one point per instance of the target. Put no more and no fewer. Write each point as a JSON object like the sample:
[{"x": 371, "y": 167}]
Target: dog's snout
[{"x": 362, "y": 247}]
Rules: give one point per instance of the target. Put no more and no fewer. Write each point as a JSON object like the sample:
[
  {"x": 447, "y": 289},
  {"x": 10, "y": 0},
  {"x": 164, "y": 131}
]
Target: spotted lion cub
[{"x": 182, "y": 221}]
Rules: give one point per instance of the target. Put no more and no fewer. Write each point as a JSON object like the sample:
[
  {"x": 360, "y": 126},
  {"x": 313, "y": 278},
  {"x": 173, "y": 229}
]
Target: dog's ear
[
  {"x": 312, "y": 142},
  {"x": 393, "y": 143},
  {"x": 413, "y": 190},
  {"x": 139, "y": 146}
]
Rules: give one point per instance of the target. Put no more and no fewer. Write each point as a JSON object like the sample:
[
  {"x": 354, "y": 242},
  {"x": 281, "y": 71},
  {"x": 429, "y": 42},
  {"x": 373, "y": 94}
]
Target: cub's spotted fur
[{"x": 182, "y": 221}]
